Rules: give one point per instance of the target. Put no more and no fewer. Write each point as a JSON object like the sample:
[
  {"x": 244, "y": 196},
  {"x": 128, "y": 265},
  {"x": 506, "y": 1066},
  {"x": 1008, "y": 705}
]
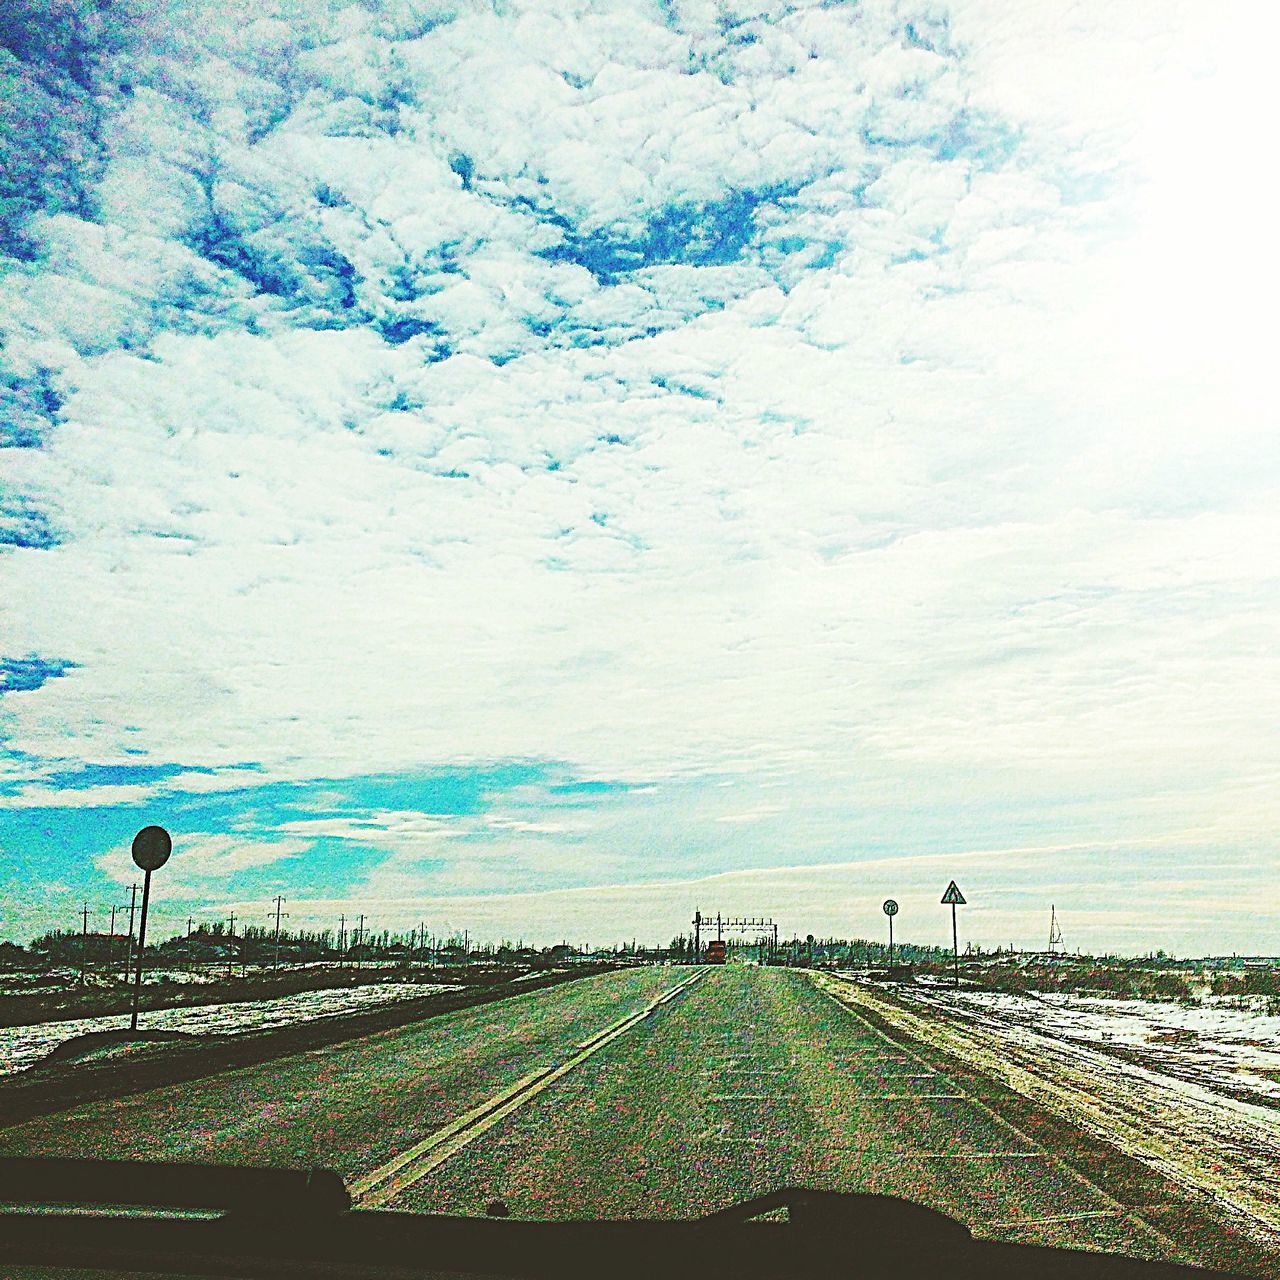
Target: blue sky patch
[
  {"x": 24, "y": 675},
  {"x": 22, "y": 524},
  {"x": 711, "y": 233}
]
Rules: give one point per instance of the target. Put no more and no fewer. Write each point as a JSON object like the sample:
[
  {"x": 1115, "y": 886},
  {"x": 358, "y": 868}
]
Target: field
[
  {"x": 1226, "y": 1045},
  {"x": 23, "y": 1046},
  {"x": 641, "y": 1093},
  {"x": 30, "y": 995}
]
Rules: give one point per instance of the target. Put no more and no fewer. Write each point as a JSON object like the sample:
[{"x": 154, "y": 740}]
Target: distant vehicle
[{"x": 715, "y": 952}]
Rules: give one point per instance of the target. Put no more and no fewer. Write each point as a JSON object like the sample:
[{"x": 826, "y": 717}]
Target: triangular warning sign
[{"x": 953, "y": 896}]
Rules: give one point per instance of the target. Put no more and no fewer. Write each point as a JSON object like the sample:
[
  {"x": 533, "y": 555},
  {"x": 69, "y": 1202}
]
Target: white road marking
[
  {"x": 748, "y": 1071},
  {"x": 917, "y": 1097},
  {"x": 747, "y": 1097},
  {"x": 1057, "y": 1217},
  {"x": 965, "y": 1155}
]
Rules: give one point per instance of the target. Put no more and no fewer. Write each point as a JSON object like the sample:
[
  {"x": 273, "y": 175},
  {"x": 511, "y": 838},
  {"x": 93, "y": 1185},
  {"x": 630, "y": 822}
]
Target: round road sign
[
  {"x": 890, "y": 907},
  {"x": 151, "y": 848}
]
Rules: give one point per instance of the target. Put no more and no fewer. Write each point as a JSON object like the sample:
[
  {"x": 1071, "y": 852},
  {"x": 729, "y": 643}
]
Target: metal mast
[{"x": 1055, "y": 931}]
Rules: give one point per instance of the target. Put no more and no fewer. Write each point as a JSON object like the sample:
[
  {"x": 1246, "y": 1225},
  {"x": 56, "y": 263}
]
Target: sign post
[
  {"x": 890, "y": 909},
  {"x": 954, "y": 898},
  {"x": 151, "y": 849}
]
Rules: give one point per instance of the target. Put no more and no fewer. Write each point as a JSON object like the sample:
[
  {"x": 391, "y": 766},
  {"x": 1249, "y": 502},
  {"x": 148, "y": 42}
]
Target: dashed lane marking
[
  {"x": 749, "y": 1097},
  {"x": 748, "y": 1071},
  {"x": 968, "y": 1155},
  {"x": 1014, "y": 1223},
  {"x": 921, "y": 1097}
]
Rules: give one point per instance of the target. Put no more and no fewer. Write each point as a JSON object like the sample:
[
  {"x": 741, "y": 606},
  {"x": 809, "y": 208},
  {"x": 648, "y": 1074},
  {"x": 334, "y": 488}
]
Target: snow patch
[{"x": 23, "y": 1046}]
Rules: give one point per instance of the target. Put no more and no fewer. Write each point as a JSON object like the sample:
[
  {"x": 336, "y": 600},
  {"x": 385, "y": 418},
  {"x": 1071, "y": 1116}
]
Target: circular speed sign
[
  {"x": 890, "y": 907},
  {"x": 151, "y": 848}
]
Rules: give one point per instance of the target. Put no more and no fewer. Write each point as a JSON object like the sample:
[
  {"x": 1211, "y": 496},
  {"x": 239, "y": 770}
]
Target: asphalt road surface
[{"x": 653, "y": 1092}]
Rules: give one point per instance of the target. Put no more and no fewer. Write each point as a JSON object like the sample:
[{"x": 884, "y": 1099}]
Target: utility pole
[
  {"x": 360, "y": 935},
  {"x": 231, "y": 950},
  {"x": 84, "y": 942},
  {"x": 342, "y": 936},
  {"x": 279, "y": 898},
  {"x": 128, "y": 955},
  {"x": 111, "y": 937}
]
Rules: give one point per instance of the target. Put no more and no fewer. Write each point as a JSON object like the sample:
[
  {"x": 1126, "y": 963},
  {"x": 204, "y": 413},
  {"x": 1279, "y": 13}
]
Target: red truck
[{"x": 715, "y": 952}]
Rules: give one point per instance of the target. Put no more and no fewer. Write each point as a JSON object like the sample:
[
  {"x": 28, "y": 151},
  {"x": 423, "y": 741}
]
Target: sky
[{"x": 545, "y": 468}]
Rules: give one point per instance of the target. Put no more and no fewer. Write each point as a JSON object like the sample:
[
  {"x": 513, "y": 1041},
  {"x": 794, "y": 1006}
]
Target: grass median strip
[{"x": 377, "y": 1189}]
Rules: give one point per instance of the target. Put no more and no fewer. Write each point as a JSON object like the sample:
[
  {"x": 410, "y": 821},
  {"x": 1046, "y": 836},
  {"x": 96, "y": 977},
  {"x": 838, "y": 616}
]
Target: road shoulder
[{"x": 1225, "y": 1223}]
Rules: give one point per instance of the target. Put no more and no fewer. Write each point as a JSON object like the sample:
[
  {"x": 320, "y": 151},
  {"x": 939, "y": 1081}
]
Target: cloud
[
  {"x": 41, "y": 797},
  {"x": 751, "y": 815},
  {"x": 203, "y": 864},
  {"x": 23, "y": 675},
  {"x": 473, "y": 852},
  {"x": 204, "y": 783},
  {"x": 1008, "y": 894},
  {"x": 381, "y": 828},
  {"x": 658, "y": 394}
]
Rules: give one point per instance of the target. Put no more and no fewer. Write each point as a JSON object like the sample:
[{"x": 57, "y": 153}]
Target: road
[{"x": 595, "y": 1099}]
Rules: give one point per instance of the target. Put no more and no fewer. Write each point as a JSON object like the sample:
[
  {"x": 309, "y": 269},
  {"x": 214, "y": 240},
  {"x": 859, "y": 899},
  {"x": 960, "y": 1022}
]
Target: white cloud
[
  {"x": 40, "y": 797},
  {"x": 375, "y": 454},
  {"x": 202, "y": 862},
  {"x": 1008, "y": 893},
  {"x": 751, "y": 815},
  {"x": 206, "y": 783},
  {"x": 381, "y": 829}
]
